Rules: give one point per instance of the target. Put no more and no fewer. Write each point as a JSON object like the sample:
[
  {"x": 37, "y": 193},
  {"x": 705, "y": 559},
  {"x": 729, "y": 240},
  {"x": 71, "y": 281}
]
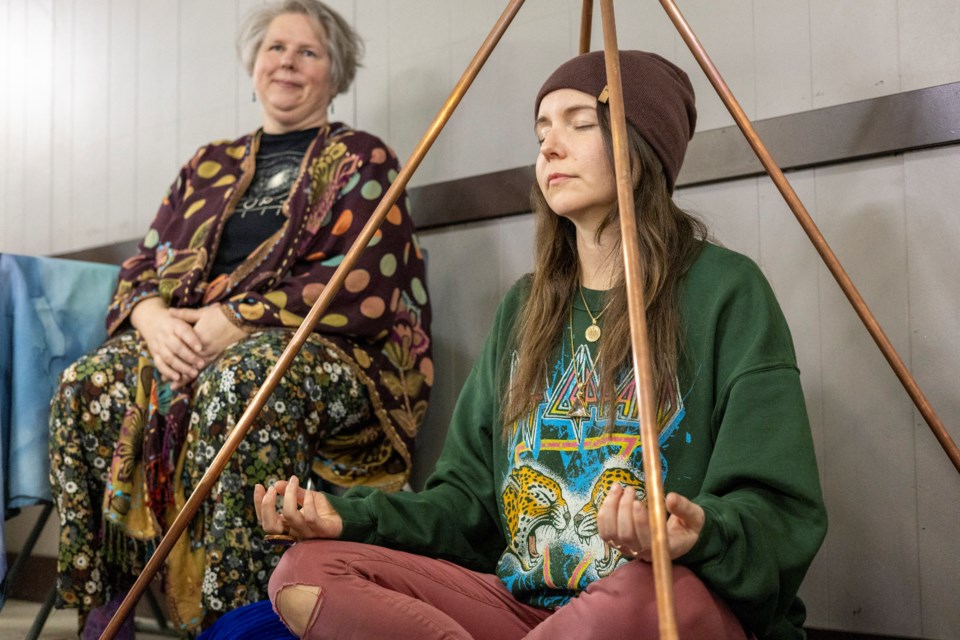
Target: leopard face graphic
[
  {"x": 532, "y": 500},
  {"x": 585, "y": 522}
]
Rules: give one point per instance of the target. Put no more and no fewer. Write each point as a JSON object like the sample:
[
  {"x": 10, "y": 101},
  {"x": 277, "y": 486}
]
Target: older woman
[{"x": 242, "y": 245}]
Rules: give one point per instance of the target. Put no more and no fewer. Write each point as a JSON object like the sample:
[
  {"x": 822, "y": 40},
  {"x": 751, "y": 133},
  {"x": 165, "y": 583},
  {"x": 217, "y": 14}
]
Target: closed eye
[
  {"x": 585, "y": 126},
  {"x": 541, "y": 133}
]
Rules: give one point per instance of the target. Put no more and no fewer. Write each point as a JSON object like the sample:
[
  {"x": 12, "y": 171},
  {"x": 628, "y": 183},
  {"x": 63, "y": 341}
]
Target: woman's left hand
[
  {"x": 624, "y": 523},
  {"x": 305, "y": 514},
  {"x": 215, "y": 331}
]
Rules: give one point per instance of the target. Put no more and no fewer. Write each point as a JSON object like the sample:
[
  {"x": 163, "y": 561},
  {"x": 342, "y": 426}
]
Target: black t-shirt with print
[{"x": 259, "y": 212}]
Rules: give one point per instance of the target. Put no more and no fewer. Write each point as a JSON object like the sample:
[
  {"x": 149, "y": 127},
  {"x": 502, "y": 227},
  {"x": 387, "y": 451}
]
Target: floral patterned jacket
[{"x": 378, "y": 323}]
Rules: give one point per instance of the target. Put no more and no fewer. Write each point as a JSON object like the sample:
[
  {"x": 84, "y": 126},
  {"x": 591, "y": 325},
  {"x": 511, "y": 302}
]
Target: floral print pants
[{"x": 319, "y": 397}]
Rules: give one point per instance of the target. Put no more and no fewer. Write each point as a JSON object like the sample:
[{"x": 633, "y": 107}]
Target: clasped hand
[
  {"x": 624, "y": 523},
  {"x": 305, "y": 514},
  {"x": 183, "y": 341}
]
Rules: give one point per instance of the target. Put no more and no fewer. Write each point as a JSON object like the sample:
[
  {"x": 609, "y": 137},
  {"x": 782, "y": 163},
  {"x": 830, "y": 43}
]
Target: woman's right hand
[
  {"x": 305, "y": 514},
  {"x": 173, "y": 343}
]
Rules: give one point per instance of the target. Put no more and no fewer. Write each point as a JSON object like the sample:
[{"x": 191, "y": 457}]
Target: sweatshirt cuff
[
  {"x": 711, "y": 545},
  {"x": 358, "y": 522}
]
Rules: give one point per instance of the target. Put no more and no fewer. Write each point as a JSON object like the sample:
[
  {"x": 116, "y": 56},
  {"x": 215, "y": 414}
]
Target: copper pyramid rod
[
  {"x": 819, "y": 242},
  {"x": 636, "y": 307},
  {"x": 586, "y": 24},
  {"x": 239, "y": 432}
]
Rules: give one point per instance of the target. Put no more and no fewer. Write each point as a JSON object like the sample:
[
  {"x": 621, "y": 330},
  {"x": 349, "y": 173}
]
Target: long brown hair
[{"x": 669, "y": 238}]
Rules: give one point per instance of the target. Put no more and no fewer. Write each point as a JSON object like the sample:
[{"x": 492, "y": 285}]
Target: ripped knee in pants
[{"x": 298, "y": 606}]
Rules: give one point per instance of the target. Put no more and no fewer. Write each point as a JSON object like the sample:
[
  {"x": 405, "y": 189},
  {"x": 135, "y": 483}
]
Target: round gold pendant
[{"x": 592, "y": 334}]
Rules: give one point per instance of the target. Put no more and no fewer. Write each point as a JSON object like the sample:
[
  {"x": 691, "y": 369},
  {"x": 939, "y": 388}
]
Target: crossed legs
[{"x": 345, "y": 590}]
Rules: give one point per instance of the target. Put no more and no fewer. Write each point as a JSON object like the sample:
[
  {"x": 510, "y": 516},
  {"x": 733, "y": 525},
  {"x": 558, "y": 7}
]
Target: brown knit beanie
[{"x": 657, "y": 98}]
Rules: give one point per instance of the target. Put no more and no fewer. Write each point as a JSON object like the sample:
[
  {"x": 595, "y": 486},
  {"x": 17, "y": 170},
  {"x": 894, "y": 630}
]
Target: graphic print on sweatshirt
[{"x": 561, "y": 470}]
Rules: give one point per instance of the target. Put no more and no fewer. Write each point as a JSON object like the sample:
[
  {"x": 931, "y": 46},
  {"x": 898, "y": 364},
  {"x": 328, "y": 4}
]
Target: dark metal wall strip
[
  {"x": 114, "y": 253},
  {"x": 868, "y": 128},
  {"x": 854, "y": 131},
  {"x": 480, "y": 197}
]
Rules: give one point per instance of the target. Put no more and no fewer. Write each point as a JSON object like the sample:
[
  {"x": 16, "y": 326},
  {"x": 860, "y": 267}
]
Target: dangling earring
[
  {"x": 253, "y": 96},
  {"x": 333, "y": 106}
]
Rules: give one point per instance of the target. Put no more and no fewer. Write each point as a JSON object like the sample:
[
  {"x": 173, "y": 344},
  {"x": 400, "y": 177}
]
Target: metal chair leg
[
  {"x": 163, "y": 626},
  {"x": 155, "y": 609},
  {"x": 43, "y": 614},
  {"x": 10, "y": 579}
]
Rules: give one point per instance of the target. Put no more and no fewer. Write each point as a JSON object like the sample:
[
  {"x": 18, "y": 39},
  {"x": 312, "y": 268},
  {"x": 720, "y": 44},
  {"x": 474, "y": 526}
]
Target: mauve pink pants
[{"x": 373, "y": 593}]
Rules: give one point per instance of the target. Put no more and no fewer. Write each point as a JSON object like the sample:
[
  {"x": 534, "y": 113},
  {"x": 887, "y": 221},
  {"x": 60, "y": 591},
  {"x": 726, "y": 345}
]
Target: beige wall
[{"x": 101, "y": 100}]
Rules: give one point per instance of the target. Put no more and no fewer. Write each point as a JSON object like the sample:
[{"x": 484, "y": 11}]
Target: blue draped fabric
[
  {"x": 52, "y": 312},
  {"x": 255, "y": 621}
]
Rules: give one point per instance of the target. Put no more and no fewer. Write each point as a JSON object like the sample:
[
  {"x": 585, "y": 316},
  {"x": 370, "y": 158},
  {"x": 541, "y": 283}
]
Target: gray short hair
[{"x": 344, "y": 46}]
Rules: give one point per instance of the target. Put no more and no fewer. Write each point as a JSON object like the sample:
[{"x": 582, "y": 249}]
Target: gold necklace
[
  {"x": 578, "y": 404},
  {"x": 592, "y": 333}
]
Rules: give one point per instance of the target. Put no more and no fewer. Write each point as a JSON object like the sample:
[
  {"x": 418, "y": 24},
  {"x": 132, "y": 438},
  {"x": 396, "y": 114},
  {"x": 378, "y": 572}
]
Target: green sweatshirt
[{"x": 734, "y": 438}]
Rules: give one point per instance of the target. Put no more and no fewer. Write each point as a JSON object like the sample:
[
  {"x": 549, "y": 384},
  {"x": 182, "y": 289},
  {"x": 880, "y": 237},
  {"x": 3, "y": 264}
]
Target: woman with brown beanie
[{"x": 534, "y": 523}]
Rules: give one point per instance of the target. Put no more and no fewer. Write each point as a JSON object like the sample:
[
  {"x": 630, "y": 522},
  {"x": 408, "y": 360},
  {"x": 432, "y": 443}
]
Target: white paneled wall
[
  {"x": 860, "y": 417},
  {"x": 933, "y": 262},
  {"x": 103, "y": 99}
]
